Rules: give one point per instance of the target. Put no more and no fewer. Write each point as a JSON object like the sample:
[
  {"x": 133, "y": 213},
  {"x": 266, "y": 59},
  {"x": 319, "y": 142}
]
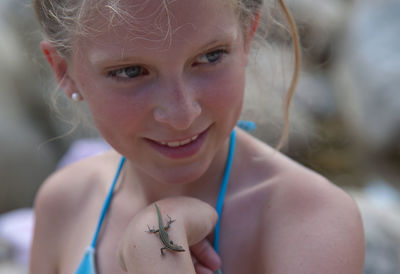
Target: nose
[{"x": 178, "y": 106}]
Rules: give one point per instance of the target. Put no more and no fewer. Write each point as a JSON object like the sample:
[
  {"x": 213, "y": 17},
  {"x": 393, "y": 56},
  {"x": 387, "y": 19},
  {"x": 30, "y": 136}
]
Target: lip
[{"x": 183, "y": 151}]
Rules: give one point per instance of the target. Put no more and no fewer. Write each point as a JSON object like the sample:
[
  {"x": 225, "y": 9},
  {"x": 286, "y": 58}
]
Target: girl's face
[{"x": 165, "y": 88}]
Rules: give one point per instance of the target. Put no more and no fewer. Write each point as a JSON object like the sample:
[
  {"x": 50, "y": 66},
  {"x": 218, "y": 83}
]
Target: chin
[{"x": 182, "y": 176}]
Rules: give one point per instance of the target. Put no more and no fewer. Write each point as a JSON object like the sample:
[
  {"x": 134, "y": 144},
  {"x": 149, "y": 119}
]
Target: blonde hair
[{"x": 62, "y": 20}]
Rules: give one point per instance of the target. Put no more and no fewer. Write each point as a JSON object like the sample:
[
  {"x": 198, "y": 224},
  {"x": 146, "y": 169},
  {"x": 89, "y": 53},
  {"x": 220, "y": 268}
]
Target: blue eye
[
  {"x": 128, "y": 72},
  {"x": 211, "y": 57}
]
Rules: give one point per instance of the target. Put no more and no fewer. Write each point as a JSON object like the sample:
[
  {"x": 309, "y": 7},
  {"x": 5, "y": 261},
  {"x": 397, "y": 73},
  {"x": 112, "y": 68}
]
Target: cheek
[
  {"x": 115, "y": 113},
  {"x": 226, "y": 91},
  {"x": 108, "y": 106},
  {"x": 120, "y": 110}
]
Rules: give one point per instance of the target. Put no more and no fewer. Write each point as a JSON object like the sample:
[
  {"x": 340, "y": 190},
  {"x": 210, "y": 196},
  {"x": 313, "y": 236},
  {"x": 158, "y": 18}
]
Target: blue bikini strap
[
  {"x": 107, "y": 203},
  {"x": 246, "y": 125},
  {"x": 222, "y": 191}
]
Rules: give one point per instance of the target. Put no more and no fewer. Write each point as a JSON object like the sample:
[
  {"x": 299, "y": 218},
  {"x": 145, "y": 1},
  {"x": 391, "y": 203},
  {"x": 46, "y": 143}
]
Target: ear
[
  {"x": 254, "y": 24},
  {"x": 252, "y": 30},
  {"x": 60, "y": 68}
]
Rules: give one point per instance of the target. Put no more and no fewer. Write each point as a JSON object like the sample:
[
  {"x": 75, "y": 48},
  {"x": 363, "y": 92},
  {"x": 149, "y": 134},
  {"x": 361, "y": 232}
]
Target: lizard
[{"x": 162, "y": 233}]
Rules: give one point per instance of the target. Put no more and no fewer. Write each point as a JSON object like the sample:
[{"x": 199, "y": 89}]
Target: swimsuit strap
[
  {"x": 222, "y": 190},
  {"x": 107, "y": 203},
  {"x": 247, "y": 125}
]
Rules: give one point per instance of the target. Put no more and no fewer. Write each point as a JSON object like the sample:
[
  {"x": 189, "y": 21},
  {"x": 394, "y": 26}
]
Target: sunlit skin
[
  {"x": 147, "y": 85},
  {"x": 190, "y": 82}
]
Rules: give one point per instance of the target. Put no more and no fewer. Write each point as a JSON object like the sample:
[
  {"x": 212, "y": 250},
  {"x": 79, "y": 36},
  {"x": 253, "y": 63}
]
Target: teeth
[
  {"x": 173, "y": 144},
  {"x": 187, "y": 141},
  {"x": 180, "y": 143}
]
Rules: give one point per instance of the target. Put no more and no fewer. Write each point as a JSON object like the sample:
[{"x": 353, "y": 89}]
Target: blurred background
[{"x": 345, "y": 117}]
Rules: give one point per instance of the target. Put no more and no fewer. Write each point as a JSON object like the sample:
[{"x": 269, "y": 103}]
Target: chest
[
  {"x": 240, "y": 246},
  {"x": 82, "y": 232},
  {"x": 239, "y": 242}
]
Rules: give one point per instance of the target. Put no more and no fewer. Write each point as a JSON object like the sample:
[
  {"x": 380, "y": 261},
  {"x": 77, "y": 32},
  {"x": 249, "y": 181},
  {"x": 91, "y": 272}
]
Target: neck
[{"x": 206, "y": 187}]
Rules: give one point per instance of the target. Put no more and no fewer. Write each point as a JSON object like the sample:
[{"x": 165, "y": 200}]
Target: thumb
[{"x": 199, "y": 221}]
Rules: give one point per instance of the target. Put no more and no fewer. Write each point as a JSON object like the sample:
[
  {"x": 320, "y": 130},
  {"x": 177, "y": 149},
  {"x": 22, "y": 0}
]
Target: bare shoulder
[
  {"x": 70, "y": 187},
  {"x": 309, "y": 224},
  {"x": 61, "y": 199},
  {"x": 314, "y": 224}
]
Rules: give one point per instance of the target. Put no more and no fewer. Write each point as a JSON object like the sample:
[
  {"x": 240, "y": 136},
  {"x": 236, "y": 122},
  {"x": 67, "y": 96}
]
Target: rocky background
[{"x": 345, "y": 115}]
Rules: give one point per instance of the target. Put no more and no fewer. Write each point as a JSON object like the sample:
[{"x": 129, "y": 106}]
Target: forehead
[{"x": 159, "y": 24}]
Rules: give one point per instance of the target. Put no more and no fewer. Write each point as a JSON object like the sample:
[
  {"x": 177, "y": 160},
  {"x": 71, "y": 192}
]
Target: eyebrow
[
  {"x": 211, "y": 43},
  {"x": 222, "y": 38},
  {"x": 101, "y": 57}
]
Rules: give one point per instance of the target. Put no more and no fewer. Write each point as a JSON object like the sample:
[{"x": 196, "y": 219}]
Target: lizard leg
[
  {"x": 153, "y": 230},
  {"x": 169, "y": 222},
  {"x": 161, "y": 249}
]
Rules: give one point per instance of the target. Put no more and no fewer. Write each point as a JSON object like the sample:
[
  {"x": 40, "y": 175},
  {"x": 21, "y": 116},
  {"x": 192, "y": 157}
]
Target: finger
[
  {"x": 206, "y": 255},
  {"x": 199, "y": 218},
  {"x": 194, "y": 259},
  {"x": 201, "y": 269}
]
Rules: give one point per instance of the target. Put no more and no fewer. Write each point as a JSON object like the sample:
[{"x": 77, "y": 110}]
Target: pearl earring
[{"x": 76, "y": 97}]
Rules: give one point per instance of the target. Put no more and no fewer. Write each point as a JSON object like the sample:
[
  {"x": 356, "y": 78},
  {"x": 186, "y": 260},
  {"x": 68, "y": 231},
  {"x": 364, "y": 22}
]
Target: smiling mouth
[
  {"x": 179, "y": 143},
  {"x": 180, "y": 148}
]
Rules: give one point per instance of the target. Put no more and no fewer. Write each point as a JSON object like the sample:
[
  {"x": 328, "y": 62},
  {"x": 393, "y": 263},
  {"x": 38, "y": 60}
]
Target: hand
[
  {"x": 195, "y": 219},
  {"x": 200, "y": 219},
  {"x": 204, "y": 257}
]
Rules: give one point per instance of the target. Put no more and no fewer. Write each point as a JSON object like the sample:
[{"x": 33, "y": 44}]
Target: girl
[{"x": 164, "y": 83}]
